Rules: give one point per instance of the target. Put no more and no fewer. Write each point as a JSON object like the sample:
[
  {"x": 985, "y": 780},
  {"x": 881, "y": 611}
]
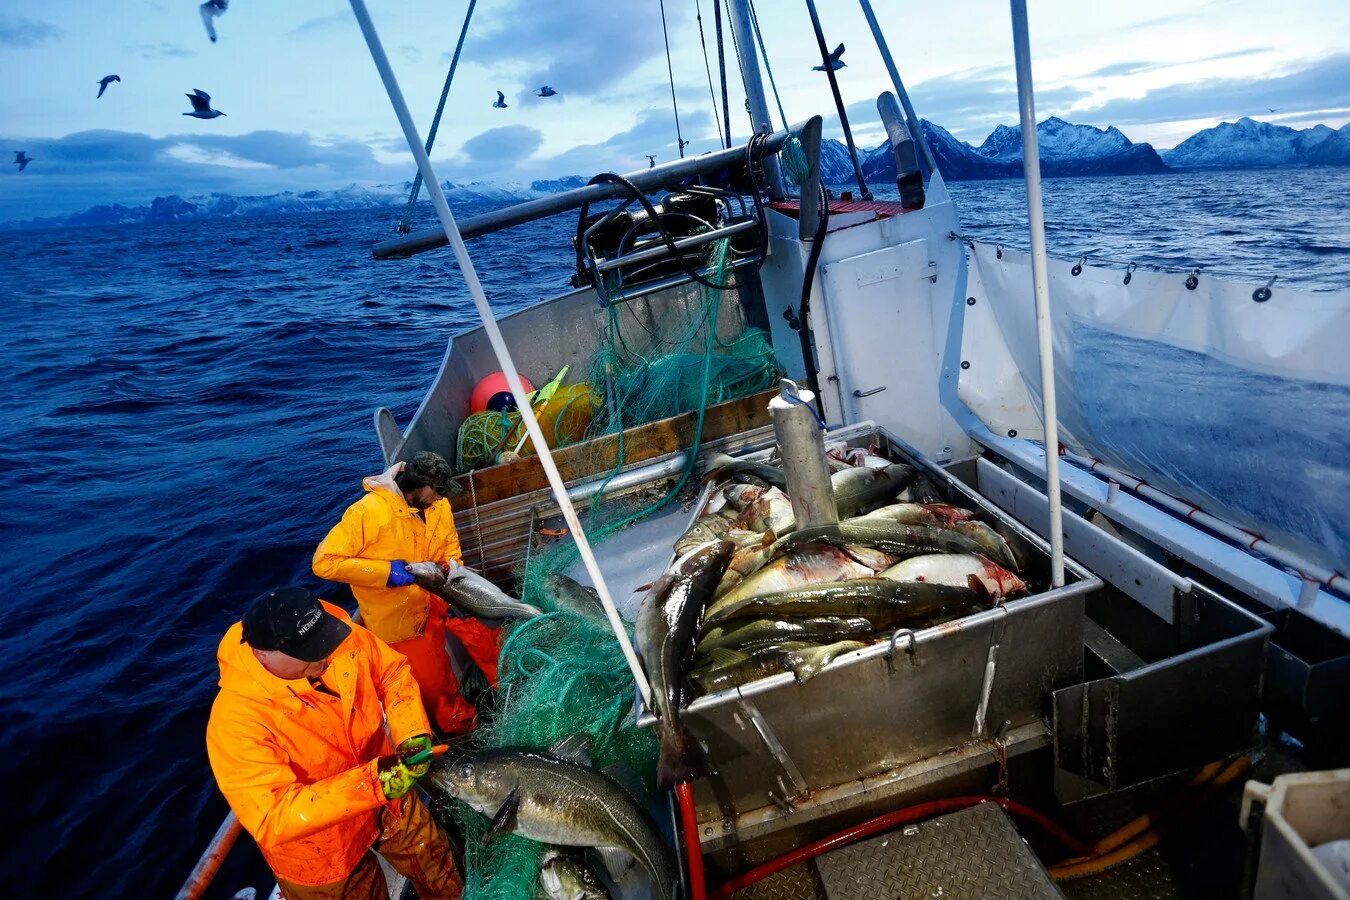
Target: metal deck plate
[{"x": 973, "y": 853}]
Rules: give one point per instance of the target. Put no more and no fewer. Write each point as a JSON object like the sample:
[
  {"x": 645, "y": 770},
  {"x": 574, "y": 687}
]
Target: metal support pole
[
  {"x": 760, "y": 117},
  {"x": 838, "y": 100},
  {"x": 802, "y": 445},
  {"x": 499, "y": 348},
  {"x": 1031, "y": 162},
  {"x": 910, "y": 118}
]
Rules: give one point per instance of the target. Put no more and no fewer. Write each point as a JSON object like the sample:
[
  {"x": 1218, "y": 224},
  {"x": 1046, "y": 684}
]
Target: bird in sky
[
  {"x": 546, "y": 91},
  {"x": 501, "y": 101},
  {"x": 22, "y": 159},
  {"x": 105, "y": 81},
  {"x": 210, "y": 10},
  {"x": 201, "y": 105},
  {"x": 651, "y": 160},
  {"x": 1272, "y": 110},
  {"x": 836, "y": 61}
]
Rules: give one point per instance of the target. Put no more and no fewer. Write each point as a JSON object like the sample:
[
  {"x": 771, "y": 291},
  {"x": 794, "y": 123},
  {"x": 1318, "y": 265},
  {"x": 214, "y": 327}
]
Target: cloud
[
  {"x": 1133, "y": 68},
  {"x": 88, "y": 167},
  {"x": 410, "y": 53},
  {"x": 1322, "y": 84},
  {"x": 320, "y": 24},
  {"x": 620, "y": 37},
  {"x": 653, "y": 132},
  {"x": 162, "y": 50},
  {"x": 503, "y": 146},
  {"x": 17, "y": 31}
]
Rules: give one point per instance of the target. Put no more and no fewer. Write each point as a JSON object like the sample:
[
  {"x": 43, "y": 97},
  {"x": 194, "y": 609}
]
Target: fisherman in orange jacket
[
  {"x": 297, "y": 743},
  {"x": 405, "y": 518}
]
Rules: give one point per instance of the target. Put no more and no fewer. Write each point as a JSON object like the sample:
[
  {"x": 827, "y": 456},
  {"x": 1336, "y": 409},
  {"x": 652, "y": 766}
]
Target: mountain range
[{"x": 1066, "y": 149}]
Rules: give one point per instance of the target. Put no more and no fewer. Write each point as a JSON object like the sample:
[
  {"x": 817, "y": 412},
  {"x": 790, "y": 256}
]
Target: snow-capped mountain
[{"x": 1248, "y": 142}]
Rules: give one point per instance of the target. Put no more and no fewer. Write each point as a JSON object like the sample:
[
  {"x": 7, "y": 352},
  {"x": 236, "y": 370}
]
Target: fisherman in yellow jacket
[{"x": 405, "y": 518}]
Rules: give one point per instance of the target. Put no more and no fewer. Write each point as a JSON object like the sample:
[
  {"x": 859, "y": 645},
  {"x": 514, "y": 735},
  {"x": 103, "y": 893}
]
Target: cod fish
[
  {"x": 470, "y": 592},
  {"x": 670, "y": 615},
  {"x": 957, "y": 569},
  {"x": 805, "y": 564},
  {"x": 724, "y": 466},
  {"x": 990, "y": 542},
  {"x": 730, "y": 668},
  {"x": 939, "y": 514},
  {"x": 558, "y": 801},
  {"x": 858, "y": 488},
  {"x": 707, "y": 528},
  {"x": 569, "y": 595},
  {"x": 882, "y": 601},
  {"x": 772, "y": 511},
  {"x": 563, "y": 877},
  {"x": 884, "y": 535},
  {"x": 765, "y": 631}
]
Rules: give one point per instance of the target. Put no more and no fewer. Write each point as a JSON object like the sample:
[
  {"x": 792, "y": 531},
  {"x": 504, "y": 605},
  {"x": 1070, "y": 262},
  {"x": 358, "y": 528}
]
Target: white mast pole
[
  {"x": 743, "y": 33},
  {"x": 494, "y": 334},
  {"x": 1031, "y": 162}
]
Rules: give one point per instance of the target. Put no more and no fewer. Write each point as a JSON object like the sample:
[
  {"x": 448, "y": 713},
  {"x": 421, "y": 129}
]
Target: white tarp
[{"x": 1238, "y": 406}]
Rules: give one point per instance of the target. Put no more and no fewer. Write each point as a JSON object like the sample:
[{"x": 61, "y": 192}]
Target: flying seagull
[
  {"x": 210, "y": 10},
  {"x": 1272, "y": 110},
  {"x": 201, "y": 105},
  {"x": 651, "y": 161},
  {"x": 546, "y": 91},
  {"x": 105, "y": 81},
  {"x": 836, "y": 61},
  {"x": 501, "y": 101},
  {"x": 22, "y": 159}
]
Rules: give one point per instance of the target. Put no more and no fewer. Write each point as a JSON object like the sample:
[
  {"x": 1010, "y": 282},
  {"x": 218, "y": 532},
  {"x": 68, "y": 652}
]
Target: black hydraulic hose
[
  {"x": 722, "y": 72},
  {"x": 804, "y": 308},
  {"x": 838, "y": 100},
  {"x": 691, "y": 271}
]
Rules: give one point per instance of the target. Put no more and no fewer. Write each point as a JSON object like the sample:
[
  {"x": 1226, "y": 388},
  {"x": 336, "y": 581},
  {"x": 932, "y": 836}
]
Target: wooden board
[{"x": 602, "y": 454}]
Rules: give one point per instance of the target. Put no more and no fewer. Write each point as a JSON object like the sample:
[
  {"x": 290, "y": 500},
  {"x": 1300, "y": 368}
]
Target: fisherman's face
[
  {"x": 288, "y": 668},
  {"x": 421, "y": 498}
]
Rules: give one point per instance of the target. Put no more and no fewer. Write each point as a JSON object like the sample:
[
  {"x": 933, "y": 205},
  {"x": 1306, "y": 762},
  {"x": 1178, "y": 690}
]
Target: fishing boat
[{"x": 1188, "y": 603}]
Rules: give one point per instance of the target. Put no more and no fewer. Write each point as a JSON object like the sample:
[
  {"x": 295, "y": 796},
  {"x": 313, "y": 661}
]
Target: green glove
[
  {"x": 395, "y": 778},
  {"x": 410, "y": 748}
]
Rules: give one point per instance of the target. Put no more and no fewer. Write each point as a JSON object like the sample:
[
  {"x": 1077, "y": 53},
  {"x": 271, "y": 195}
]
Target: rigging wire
[
  {"x": 405, "y": 224},
  {"x": 671, "y": 69},
  {"x": 828, "y": 65},
  {"x": 698, "y": 14},
  {"x": 722, "y": 71},
  {"x": 763, "y": 52}
]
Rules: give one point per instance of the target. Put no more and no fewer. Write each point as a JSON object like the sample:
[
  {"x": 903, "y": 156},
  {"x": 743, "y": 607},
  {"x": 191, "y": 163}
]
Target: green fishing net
[{"x": 564, "y": 673}]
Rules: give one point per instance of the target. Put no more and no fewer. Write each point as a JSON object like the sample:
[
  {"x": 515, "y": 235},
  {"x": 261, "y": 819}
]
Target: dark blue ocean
[{"x": 189, "y": 408}]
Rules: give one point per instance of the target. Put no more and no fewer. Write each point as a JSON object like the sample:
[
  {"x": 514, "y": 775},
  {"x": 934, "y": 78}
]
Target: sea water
[{"x": 188, "y": 409}]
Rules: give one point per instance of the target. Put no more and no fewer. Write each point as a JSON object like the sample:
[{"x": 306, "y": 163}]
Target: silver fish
[
  {"x": 882, "y": 601},
  {"x": 763, "y": 631},
  {"x": 957, "y": 569},
  {"x": 569, "y": 595},
  {"x": 858, "y": 488},
  {"x": 880, "y": 534},
  {"x": 722, "y": 466},
  {"x": 471, "y": 593},
  {"x": 669, "y": 617},
  {"x": 563, "y": 877},
  {"x": 556, "y": 801},
  {"x": 990, "y": 542},
  {"x": 805, "y": 564}
]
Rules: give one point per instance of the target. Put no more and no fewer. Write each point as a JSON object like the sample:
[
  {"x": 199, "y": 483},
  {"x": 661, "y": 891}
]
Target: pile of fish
[{"x": 750, "y": 595}]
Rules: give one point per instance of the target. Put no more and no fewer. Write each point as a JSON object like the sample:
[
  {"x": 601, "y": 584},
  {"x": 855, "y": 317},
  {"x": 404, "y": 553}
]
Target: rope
[
  {"x": 671, "y": 70},
  {"x": 405, "y": 224},
  {"x": 698, "y": 14},
  {"x": 722, "y": 72}
]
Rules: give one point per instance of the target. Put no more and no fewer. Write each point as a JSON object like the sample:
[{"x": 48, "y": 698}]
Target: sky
[{"x": 306, "y": 110}]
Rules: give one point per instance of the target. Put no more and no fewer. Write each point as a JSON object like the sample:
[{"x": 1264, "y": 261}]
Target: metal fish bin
[{"x": 876, "y": 723}]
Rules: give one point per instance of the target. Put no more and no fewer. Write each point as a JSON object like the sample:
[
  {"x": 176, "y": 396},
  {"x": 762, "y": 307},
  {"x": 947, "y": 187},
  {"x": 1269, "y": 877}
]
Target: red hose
[
  {"x": 886, "y": 823},
  {"x": 693, "y": 847}
]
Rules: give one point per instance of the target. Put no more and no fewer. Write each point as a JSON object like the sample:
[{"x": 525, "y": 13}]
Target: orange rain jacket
[
  {"x": 298, "y": 765},
  {"x": 374, "y": 531}
]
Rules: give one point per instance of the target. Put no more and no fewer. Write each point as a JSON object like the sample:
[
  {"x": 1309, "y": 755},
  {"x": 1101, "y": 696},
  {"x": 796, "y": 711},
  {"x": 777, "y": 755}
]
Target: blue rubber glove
[{"x": 399, "y": 576}]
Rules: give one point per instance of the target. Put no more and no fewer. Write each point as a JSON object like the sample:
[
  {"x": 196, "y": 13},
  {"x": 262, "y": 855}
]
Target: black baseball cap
[{"x": 292, "y": 620}]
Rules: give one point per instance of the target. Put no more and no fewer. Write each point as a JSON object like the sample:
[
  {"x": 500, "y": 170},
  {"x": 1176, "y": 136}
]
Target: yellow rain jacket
[
  {"x": 374, "y": 531},
  {"x": 297, "y": 764}
]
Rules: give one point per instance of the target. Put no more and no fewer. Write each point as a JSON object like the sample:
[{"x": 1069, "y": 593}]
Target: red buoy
[{"x": 495, "y": 394}]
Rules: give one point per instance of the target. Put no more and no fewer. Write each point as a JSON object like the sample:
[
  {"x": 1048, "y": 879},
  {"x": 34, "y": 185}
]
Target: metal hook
[
  {"x": 909, "y": 648},
  {"x": 1078, "y": 267},
  {"x": 1262, "y": 294},
  {"x": 787, "y": 389},
  {"x": 1193, "y": 280},
  {"x": 1129, "y": 272}
]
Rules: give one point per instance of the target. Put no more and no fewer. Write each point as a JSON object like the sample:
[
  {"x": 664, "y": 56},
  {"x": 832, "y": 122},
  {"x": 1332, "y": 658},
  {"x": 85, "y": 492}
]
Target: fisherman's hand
[
  {"x": 410, "y": 748},
  {"x": 427, "y": 574},
  {"x": 399, "y": 576},
  {"x": 396, "y": 779}
]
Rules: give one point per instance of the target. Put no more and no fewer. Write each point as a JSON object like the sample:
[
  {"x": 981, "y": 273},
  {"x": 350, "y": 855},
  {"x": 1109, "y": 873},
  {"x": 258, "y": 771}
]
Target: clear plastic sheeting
[{"x": 1238, "y": 406}]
